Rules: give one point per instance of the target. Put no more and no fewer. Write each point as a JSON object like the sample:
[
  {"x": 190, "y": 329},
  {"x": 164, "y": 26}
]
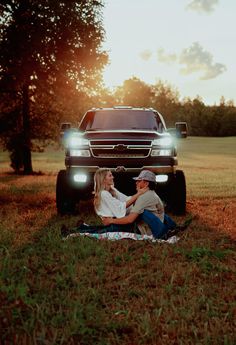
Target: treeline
[{"x": 202, "y": 120}]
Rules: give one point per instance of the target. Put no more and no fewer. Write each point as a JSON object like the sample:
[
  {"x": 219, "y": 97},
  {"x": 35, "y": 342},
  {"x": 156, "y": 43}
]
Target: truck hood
[{"x": 124, "y": 134}]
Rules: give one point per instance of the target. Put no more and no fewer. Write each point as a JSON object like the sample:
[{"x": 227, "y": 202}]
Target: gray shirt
[{"x": 149, "y": 201}]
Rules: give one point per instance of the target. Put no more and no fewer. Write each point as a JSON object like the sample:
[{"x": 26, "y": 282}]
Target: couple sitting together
[{"x": 143, "y": 213}]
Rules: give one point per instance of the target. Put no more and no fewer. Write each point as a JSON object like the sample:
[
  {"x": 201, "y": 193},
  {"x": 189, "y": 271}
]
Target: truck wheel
[
  {"x": 64, "y": 195},
  {"x": 177, "y": 193}
]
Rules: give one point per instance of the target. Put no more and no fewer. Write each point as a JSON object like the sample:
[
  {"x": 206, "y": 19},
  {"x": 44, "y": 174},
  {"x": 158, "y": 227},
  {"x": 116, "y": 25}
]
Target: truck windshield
[{"x": 122, "y": 120}]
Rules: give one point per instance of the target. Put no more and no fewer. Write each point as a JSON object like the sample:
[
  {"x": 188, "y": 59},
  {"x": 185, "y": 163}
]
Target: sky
[{"x": 188, "y": 44}]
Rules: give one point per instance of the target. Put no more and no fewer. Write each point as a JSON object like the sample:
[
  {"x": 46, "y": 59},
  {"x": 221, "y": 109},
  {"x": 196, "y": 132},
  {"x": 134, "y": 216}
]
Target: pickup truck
[{"x": 126, "y": 140}]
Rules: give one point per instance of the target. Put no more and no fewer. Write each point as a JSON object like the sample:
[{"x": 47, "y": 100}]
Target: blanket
[{"x": 114, "y": 236}]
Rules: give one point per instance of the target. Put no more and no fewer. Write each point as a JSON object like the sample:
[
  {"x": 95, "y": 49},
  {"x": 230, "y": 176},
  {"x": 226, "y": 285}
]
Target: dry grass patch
[
  {"x": 26, "y": 205},
  {"x": 217, "y": 214}
]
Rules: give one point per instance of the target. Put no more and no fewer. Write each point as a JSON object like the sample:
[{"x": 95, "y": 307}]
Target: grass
[
  {"x": 83, "y": 291},
  {"x": 209, "y": 164}
]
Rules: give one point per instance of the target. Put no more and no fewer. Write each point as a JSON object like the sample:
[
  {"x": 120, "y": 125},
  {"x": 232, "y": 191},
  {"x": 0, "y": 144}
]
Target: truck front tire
[
  {"x": 178, "y": 193},
  {"x": 64, "y": 195}
]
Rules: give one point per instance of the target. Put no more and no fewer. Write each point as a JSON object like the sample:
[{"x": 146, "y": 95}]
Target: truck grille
[
  {"x": 126, "y": 153},
  {"x": 120, "y": 141}
]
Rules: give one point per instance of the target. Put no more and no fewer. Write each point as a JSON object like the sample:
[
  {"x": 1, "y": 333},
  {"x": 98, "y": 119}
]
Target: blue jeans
[{"x": 158, "y": 228}]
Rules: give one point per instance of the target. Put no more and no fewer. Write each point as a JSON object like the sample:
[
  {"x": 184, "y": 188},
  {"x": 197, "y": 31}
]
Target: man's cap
[{"x": 146, "y": 175}]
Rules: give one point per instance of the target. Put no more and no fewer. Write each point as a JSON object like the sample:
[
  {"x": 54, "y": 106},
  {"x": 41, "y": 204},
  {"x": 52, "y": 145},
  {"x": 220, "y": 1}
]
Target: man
[{"x": 155, "y": 222}]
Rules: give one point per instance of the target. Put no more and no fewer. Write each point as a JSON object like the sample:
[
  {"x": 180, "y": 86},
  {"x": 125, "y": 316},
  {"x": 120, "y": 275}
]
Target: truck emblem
[
  {"x": 120, "y": 147},
  {"x": 120, "y": 169}
]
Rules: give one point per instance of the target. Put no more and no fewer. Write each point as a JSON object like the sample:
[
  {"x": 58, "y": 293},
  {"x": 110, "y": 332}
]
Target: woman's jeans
[
  {"x": 101, "y": 229},
  {"x": 158, "y": 228}
]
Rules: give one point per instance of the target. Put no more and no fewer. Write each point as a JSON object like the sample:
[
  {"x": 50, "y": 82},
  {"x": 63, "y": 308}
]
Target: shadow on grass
[
  {"x": 9, "y": 177},
  {"x": 83, "y": 291}
]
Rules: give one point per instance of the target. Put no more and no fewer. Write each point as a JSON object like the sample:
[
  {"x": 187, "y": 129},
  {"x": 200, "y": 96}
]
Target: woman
[{"x": 108, "y": 202}]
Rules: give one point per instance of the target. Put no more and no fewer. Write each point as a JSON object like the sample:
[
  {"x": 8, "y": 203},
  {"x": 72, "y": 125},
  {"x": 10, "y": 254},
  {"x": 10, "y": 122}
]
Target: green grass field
[{"x": 83, "y": 291}]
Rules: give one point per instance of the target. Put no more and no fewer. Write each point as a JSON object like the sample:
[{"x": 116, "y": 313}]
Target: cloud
[
  {"x": 202, "y": 6},
  {"x": 145, "y": 55},
  {"x": 165, "y": 58},
  {"x": 196, "y": 59}
]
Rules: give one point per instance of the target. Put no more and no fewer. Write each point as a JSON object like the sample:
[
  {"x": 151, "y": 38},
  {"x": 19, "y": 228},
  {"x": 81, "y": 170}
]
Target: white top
[{"x": 111, "y": 206}]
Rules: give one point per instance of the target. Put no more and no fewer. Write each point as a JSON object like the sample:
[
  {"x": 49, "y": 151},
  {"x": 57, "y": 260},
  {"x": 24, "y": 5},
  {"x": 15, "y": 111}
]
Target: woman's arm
[
  {"x": 111, "y": 206},
  {"x": 133, "y": 198},
  {"x": 124, "y": 220}
]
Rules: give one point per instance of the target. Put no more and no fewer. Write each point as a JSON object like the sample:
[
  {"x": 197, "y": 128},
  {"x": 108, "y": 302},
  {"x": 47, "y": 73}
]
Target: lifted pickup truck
[{"x": 126, "y": 140}]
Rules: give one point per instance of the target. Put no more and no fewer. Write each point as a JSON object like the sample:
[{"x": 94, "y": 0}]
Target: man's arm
[{"x": 124, "y": 220}]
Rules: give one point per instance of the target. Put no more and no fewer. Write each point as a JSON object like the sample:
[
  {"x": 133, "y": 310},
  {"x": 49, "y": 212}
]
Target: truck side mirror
[
  {"x": 181, "y": 129},
  {"x": 64, "y": 127}
]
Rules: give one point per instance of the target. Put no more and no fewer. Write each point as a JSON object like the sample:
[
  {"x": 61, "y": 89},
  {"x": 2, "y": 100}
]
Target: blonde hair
[{"x": 99, "y": 186}]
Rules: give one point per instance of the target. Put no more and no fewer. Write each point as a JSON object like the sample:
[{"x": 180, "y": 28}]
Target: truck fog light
[
  {"x": 161, "y": 178},
  {"x": 80, "y": 178},
  {"x": 79, "y": 153}
]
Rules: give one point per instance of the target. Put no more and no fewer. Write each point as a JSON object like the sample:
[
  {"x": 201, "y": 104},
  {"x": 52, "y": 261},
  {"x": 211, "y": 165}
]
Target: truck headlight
[
  {"x": 163, "y": 142},
  {"x": 161, "y": 152},
  {"x": 74, "y": 142},
  {"x": 80, "y": 153}
]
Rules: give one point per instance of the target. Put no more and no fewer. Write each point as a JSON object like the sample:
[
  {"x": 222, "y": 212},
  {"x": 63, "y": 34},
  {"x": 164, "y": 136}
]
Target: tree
[
  {"x": 166, "y": 100},
  {"x": 49, "y": 51},
  {"x": 160, "y": 96},
  {"x": 134, "y": 92}
]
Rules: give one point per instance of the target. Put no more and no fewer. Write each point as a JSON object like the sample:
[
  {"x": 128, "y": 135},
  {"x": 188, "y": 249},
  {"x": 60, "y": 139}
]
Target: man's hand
[{"x": 107, "y": 220}]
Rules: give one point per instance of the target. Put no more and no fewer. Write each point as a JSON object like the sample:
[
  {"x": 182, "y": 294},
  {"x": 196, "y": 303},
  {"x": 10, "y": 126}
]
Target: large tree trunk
[{"x": 27, "y": 161}]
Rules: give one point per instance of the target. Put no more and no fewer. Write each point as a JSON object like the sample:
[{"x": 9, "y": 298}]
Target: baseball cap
[{"x": 146, "y": 175}]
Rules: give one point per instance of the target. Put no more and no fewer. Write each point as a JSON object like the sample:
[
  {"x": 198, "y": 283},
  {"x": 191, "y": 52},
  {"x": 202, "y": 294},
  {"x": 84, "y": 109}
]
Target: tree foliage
[
  {"x": 134, "y": 92},
  {"x": 50, "y": 56},
  {"x": 202, "y": 120}
]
